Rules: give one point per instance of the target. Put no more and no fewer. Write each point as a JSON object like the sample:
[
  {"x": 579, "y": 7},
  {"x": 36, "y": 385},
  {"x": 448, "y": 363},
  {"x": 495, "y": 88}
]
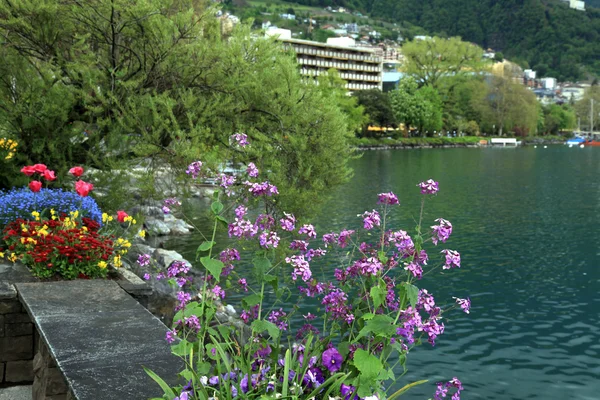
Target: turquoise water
[{"x": 526, "y": 224}]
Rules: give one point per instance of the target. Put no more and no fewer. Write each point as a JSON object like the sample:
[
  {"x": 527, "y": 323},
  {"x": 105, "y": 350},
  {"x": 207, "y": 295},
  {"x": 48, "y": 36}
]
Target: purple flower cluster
[
  {"x": 241, "y": 139},
  {"x": 242, "y": 228},
  {"x": 226, "y": 182},
  {"x": 240, "y": 211},
  {"x": 371, "y": 219},
  {"x": 442, "y": 231},
  {"x": 269, "y": 239},
  {"x": 227, "y": 256},
  {"x": 288, "y": 223},
  {"x": 465, "y": 304},
  {"x": 218, "y": 292},
  {"x": 260, "y": 189},
  {"x": 429, "y": 187},
  {"x": 194, "y": 169},
  {"x": 335, "y": 303},
  {"x": 251, "y": 170},
  {"x": 178, "y": 271},
  {"x": 301, "y": 267},
  {"x": 442, "y": 389},
  {"x": 144, "y": 260},
  {"x": 278, "y": 318},
  {"x": 168, "y": 203},
  {"x": 309, "y": 230},
  {"x": 452, "y": 259},
  {"x": 332, "y": 360},
  {"x": 388, "y": 198},
  {"x": 183, "y": 299}
]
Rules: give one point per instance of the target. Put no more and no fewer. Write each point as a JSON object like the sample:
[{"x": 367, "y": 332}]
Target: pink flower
[
  {"x": 388, "y": 198},
  {"x": 76, "y": 171},
  {"x": 429, "y": 187},
  {"x": 40, "y": 168},
  {"x": 121, "y": 215},
  {"x": 28, "y": 170},
  {"x": 83, "y": 188},
  {"x": 49, "y": 175},
  {"x": 35, "y": 186}
]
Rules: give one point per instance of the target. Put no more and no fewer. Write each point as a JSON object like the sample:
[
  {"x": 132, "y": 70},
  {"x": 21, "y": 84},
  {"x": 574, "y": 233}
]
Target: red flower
[
  {"x": 83, "y": 188},
  {"x": 28, "y": 170},
  {"x": 40, "y": 168},
  {"x": 121, "y": 215},
  {"x": 49, "y": 175},
  {"x": 35, "y": 186},
  {"x": 76, "y": 171}
]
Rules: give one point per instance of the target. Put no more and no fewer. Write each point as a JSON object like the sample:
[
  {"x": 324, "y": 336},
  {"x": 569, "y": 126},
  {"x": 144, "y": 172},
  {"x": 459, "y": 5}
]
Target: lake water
[{"x": 526, "y": 222}]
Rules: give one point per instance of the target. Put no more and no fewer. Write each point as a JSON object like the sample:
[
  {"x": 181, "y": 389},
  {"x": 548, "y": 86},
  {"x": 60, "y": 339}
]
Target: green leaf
[
  {"x": 378, "y": 296},
  {"x": 163, "y": 385},
  {"x": 216, "y": 207},
  {"x": 382, "y": 257},
  {"x": 222, "y": 220},
  {"x": 273, "y": 280},
  {"x": 368, "y": 316},
  {"x": 368, "y": 365},
  {"x": 251, "y": 301},
  {"x": 412, "y": 292},
  {"x": 261, "y": 266},
  {"x": 203, "y": 368},
  {"x": 205, "y": 246},
  {"x": 213, "y": 266},
  {"x": 261, "y": 326},
  {"x": 381, "y": 325},
  {"x": 405, "y": 388},
  {"x": 180, "y": 349}
]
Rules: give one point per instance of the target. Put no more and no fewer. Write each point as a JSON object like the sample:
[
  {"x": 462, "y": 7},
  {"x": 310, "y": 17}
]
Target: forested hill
[{"x": 545, "y": 35}]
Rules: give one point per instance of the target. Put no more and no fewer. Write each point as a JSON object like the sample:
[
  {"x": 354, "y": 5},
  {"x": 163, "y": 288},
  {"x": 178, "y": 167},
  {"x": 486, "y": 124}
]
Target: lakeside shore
[{"x": 443, "y": 142}]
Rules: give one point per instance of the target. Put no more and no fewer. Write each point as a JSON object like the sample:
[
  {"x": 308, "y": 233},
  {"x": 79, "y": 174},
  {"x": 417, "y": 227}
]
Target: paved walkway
[{"x": 16, "y": 393}]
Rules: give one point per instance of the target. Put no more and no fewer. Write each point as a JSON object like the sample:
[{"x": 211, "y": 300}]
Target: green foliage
[
  {"x": 419, "y": 108},
  {"x": 432, "y": 59},
  {"x": 558, "y": 118},
  {"x": 377, "y": 107},
  {"x": 112, "y": 84},
  {"x": 583, "y": 108}
]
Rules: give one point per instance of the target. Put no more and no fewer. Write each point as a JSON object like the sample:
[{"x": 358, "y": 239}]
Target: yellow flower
[
  {"x": 117, "y": 261},
  {"x": 142, "y": 233},
  {"x": 129, "y": 218},
  {"x": 102, "y": 264},
  {"x": 74, "y": 214},
  {"x": 36, "y": 215},
  {"x": 53, "y": 214},
  {"x": 23, "y": 228},
  {"x": 12, "y": 257},
  {"x": 1, "y": 254},
  {"x": 31, "y": 240},
  {"x": 85, "y": 229},
  {"x": 23, "y": 240},
  {"x": 106, "y": 217},
  {"x": 43, "y": 230}
]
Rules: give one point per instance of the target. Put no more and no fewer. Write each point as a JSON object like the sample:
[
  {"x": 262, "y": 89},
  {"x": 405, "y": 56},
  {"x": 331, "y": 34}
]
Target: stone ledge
[{"x": 7, "y": 291}]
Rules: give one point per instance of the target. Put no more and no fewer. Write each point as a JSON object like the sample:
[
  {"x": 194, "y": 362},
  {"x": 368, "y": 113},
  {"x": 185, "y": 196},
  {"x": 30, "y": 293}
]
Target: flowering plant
[
  {"x": 8, "y": 148},
  {"x": 373, "y": 314},
  {"x": 70, "y": 237}
]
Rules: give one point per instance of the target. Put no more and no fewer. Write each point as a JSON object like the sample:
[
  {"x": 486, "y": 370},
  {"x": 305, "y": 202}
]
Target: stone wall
[
  {"x": 18, "y": 339},
  {"x": 49, "y": 383}
]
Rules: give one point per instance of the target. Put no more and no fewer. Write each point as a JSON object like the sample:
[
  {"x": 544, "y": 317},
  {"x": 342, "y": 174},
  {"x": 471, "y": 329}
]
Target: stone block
[
  {"x": 19, "y": 371},
  {"x": 7, "y": 291},
  {"x": 55, "y": 382},
  {"x": 1, "y": 328},
  {"x": 16, "y": 348},
  {"x": 1, "y": 372},
  {"x": 10, "y": 306},
  {"x": 22, "y": 329},
  {"x": 16, "y": 318}
]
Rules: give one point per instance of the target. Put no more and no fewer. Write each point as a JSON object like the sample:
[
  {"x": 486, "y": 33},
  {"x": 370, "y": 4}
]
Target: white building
[
  {"x": 529, "y": 74},
  {"x": 576, "y": 4},
  {"x": 361, "y": 68},
  {"x": 548, "y": 83},
  {"x": 279, "y": 33},
  {"x": 287, "y": 16}
]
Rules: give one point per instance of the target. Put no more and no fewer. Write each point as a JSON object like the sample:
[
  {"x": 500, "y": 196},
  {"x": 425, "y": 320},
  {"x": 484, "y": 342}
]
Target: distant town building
[
  {"x": 548, "y": 83},
  {"x": 361, "y": 68},
  {"x": 574, "y": 92},
  {"x": 287, "y": 16},
  {"x": 576, "y": 4},
  {"x": 266, "y": 25}
]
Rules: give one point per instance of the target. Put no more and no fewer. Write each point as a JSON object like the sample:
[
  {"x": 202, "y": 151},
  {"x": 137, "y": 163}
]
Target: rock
[
  {"x": 148, "y": 211},
  {"x": 230, "y": 310},
  {"x": 157, "y": 227},
  {"x": 164, "y": 258}
]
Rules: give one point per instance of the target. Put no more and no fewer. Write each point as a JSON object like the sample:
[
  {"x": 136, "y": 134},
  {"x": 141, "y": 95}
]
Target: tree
[
  {"x": 432, "y": 59},
  {"x": 583, "y": 108},
  {"x": 558, "y": 118},
  {"x": 419, "y": 108},
  {"x": 110, "y": 83},
  {"x": 377, "y": 106}
]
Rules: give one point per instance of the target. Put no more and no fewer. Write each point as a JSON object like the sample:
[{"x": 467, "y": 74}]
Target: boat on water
[{"x": 576, "y": 141}]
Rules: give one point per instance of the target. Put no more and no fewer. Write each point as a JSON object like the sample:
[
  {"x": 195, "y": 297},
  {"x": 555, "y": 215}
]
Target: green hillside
[{"x": 545, "y": 35}]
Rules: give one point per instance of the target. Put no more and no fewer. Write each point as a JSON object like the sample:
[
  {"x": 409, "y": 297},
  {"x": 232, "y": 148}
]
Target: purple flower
[
  {"x": 452, "y": 259},
  {"x": 183, "y": 298},
  {"x": 242, "y": 228},
  {"x": 165, "y": 210},
  {"x": 309, "y": 317},
  {"x": 330, "y": 238},
  {"x": 465, "y": 304},
  {"x": 144, "y": 260},
  {"x": 301, "y": 268},
  {"x": 263, "y": 188},
  {"x": 388, "y": 198},
  {"x": 442, "y": 231},
  {"x": 278, "y": 318},
  {"x": 309, "y": 230},
  {"x": 193, "y": 323},
  {"x": 305, "y": 330},
  {"x": 301, "y": 245},
  {"x": 252, "y": 171},
  {"x": 415, "y": 269},
  {"x": 265, "y": 222},
  {"x": 168, "y": 203},
  {"x": 228, "y": 255},
  {"x": 371, "y": 219},
  {"x": 288, "y": 223},
  {"x": 182, "y": 396},
  {"x": 227, "y": 180},
  {"x": 240, "y": 211},
  {"x": 171, "y": 336},
  {"x": 343, "y": 238},
  {"x": 242, "y": 282},
  {"x": 147, "y": 277},
  {"x": 218, "y": 292},
  {"x": 429, "y": 187},
  {"x": 241, "y": 139},
  {"x": 332, "y": 360},
  {"x": 194, "y": 169},
  {"x": 269, "y": 240},
  {"x": 441, "y": 391}
]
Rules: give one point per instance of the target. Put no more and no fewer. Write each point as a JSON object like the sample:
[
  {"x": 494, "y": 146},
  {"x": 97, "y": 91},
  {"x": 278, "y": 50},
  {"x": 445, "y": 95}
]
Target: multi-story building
[{"x": 361, "y": 68}]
